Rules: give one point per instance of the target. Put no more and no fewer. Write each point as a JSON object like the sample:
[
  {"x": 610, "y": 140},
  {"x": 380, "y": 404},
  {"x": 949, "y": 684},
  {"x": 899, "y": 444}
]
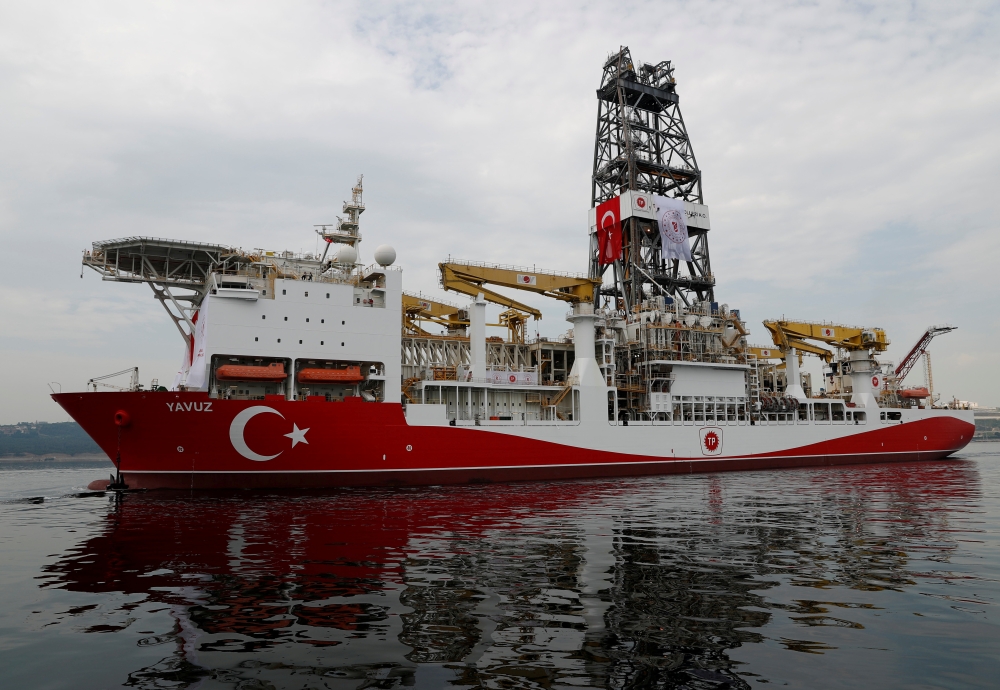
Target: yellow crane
[
  {"x": 470, "y": 278},
  {"x": 787, "y": 334},
  {"x": 765, "y": 353},
  {"x": 417, "y": 309}
]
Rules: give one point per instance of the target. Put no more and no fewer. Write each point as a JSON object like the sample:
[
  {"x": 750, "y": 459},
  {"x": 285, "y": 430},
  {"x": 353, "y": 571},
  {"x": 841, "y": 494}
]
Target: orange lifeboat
[
  {"x": 915, "y": 393},
  {"x": 346, "y": 375},
  {"x": 240, "y": 372}
]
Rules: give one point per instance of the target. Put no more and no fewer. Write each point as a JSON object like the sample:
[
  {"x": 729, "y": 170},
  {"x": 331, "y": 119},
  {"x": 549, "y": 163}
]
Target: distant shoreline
[{"x": 53, "y": 458}]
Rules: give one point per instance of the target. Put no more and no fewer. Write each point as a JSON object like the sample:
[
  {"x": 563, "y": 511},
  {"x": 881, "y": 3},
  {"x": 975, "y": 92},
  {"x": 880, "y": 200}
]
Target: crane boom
[
  {"x": 765, "y": 353},
  {"x": 470, "y": 278},
  {"x": 418, "y": 308},
  {"x": 788, "y": 334},
  {"x": 911, "y": 359}
]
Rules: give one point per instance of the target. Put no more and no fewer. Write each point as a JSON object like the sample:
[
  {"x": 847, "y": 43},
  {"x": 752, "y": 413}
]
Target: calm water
[{"x": 870, "y": 576}]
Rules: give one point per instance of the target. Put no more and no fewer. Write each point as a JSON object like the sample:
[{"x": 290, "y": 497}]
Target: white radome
[
  {"x": 347, "y": 255},
  {"x": 385, "y": 255}
]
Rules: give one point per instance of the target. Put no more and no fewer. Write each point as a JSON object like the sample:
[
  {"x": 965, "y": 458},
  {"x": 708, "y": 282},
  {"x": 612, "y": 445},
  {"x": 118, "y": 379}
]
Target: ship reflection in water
[{"x": 697, "y": 581}]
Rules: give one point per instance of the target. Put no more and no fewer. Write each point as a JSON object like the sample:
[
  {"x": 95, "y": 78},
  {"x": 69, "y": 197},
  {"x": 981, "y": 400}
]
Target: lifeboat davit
[
  {"x": 241, "y": 372},
  {"x": 915, "y": 393},
  {"x": 346, "y": 375}
]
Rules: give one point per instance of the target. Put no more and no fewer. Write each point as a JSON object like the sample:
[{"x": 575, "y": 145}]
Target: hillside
[{"x": 31, "y": 438}]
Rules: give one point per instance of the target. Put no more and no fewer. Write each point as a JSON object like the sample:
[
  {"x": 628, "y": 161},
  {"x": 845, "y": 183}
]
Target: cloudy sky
[{"x": 850, "y": 154}]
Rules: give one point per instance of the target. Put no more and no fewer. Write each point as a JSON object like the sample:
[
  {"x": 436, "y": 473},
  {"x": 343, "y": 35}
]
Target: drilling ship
[{"x": 317, "y": 370}]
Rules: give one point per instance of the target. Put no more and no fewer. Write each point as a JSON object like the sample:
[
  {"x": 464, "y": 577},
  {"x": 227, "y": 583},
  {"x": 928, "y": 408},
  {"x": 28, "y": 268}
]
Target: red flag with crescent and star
[{"x": 609, "y": 230}]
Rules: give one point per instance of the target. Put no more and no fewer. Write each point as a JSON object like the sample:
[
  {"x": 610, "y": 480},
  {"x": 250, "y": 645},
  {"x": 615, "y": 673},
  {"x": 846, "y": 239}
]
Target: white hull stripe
[{"x": 536, "y": 467}]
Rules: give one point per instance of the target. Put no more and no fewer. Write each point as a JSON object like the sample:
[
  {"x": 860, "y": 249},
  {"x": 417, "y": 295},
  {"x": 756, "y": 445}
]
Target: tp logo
[{"x": 711, "y": 440}]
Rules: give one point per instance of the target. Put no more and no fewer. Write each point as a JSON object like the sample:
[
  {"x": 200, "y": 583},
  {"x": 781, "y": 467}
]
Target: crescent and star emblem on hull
[{"x": 239, "y": 424}]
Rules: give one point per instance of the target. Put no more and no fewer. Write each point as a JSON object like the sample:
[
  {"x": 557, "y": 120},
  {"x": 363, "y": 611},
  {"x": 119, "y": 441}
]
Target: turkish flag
[{"x": 609, "y": 230}]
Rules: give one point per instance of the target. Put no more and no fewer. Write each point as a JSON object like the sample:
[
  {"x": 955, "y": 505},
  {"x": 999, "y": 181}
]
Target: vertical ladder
[{"x": 753, "y": 385}]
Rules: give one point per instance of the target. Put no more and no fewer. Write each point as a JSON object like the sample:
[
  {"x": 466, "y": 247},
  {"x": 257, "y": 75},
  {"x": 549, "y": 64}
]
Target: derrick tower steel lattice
[{"x": 643, "y": 145}]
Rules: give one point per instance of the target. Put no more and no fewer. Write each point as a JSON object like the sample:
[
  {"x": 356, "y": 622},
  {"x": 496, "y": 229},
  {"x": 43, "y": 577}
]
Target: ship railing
[
  {"x": 494, "y": 382},
  {"x": 429, "y": 376},
  {"x": 376, "y": 268},
  {"x": 101, "y": 245},
  {"x": 521, "y": 269}
]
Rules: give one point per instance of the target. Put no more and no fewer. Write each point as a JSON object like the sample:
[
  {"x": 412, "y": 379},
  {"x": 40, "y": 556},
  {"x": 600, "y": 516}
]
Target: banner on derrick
[
  {"x": 609, "y": 230},
  {"x": 672, "y": 219}
]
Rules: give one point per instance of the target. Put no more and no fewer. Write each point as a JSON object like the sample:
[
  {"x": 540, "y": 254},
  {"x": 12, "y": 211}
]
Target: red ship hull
[{"x": 185, "y": 441}]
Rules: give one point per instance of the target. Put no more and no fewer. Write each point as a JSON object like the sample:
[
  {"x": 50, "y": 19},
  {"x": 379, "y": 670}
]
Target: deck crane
[
  {"x": 766, "y": 353},
  {"x": 775, "y": 359},
  {"x": 470, "y": 278},
  {"x": 859, "y": 343},
  {"x": 133, "y": 384},
  {"x": 920, "y": 348},
  {"x": 788, "y": 334},
  {"x": 418, "y": 308}
]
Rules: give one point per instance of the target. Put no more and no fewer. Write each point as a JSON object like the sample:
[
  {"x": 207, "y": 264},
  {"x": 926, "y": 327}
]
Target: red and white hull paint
[{"x": 185, "y": 440}]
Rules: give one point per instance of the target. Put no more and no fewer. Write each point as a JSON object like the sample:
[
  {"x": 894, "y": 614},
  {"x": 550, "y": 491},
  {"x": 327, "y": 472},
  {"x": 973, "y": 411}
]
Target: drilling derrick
[{"x": 642, "y": 146}]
